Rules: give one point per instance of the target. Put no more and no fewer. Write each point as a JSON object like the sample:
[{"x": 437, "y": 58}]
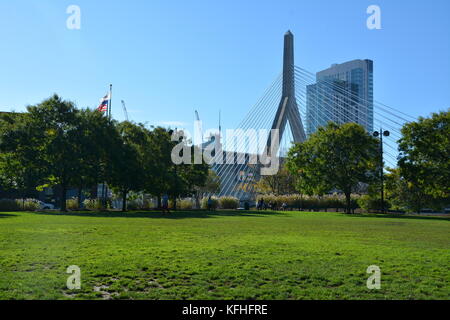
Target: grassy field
[{"x": 223, "y": 255}]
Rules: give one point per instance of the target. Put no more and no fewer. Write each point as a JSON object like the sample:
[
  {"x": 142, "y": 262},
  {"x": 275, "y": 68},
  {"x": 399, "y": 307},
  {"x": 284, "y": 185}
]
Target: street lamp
[{"x": 381, "y": 134}]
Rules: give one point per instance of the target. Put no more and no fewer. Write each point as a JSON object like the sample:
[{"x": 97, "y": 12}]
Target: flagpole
[
  {"x": 105, "y": 187},
  {"x": 110, "y": 99}
]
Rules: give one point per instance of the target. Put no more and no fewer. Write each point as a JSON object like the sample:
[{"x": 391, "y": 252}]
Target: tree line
[
  {"x": 55, "y": 143},
  {"x": 345, "y": 158}
]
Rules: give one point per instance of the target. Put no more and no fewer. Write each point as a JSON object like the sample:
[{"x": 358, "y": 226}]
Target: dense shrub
[
  {"x": 215, "y": 203},
  {"x": 9, "y": 205},
  {"x": 228, "y": 203},
  {"x": 72, "y": 204},
  {"x": 185, "y": 204},
  {"x": 335, "y": 202},
  {"x": 134, "y": 204},
  {"x": 19, "y": 205},
  {"x": 147, "y": 204},
  {"x": 29, "y": 204},
  {"x": 140, "y": 204},
  {"x": 93, "y": 204},
  {"x": 311, "y": 203},
  {"x": 368, "y": 204}
]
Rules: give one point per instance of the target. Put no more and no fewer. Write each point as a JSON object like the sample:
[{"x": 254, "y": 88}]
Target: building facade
[{"x": 342, "y": 93}]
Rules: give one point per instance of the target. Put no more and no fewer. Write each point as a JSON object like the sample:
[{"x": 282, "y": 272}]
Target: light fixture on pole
[{"x": 381, "y": 134}]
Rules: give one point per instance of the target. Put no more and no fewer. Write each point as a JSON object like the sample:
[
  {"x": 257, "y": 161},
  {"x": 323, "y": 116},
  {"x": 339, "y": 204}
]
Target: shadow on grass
[
  {"x": 399, "y": 216},
  {"x": 7, "y": 215},
  {"x": 158, "y": 214}
]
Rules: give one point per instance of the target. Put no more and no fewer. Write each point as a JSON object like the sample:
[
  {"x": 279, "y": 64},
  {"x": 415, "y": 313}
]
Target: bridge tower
[{"x": 288, "y": 109}]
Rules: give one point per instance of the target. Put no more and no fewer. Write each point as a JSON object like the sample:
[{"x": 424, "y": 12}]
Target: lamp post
[{"x": 382, "y": 134}]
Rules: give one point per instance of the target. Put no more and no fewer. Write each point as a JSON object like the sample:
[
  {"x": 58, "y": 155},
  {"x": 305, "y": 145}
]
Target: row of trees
[
  {"x": 55, "y": 143},
  {"x": 345, "y": 158}
]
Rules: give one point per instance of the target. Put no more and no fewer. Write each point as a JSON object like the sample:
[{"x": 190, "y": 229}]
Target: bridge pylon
[{"x": 288, "y": 109}]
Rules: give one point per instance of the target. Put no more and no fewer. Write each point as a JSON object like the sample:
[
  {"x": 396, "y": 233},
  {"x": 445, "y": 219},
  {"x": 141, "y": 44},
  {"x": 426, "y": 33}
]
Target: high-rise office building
[{"x": 342, "y": 93}]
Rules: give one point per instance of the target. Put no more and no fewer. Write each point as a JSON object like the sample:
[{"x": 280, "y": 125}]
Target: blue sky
[{"x": 168, "y": 58}]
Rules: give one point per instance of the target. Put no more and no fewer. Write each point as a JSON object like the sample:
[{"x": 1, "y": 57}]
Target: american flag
[{"x": 103, "y": 104}]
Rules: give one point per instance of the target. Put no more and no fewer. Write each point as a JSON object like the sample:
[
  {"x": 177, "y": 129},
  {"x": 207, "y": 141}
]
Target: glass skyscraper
[{"x": 342, "y": 93}]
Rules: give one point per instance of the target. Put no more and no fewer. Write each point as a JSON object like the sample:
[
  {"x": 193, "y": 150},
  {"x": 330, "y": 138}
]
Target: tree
[
  {"x": 211, "y": 185},
  {"x": 335, "y": 157},
  {"x": 402, "y": 194},
  {"x": 186, "y": 178},
  {"x": 167, "y": 177},
  {"x": 158, "y": 162},
  {"x": 46, "y": 140},
  {"x": 424, "y": 156},
  {"x": 127, "y": 172},
  {"x": 17, "y": 174},
  {"x": 282, "y": 183},
  {"x": 94, "y": 148}
]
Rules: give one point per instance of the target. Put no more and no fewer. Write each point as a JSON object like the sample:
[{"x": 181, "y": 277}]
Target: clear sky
[{"x": 168, "y": 58}]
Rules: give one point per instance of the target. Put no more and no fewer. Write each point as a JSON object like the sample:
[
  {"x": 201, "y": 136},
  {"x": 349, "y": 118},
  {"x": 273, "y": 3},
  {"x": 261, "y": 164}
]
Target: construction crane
[
  {"x": 197, "y": 116},
  {"x": 125, "y": 110},
  {"x": 200, "y": 128}
]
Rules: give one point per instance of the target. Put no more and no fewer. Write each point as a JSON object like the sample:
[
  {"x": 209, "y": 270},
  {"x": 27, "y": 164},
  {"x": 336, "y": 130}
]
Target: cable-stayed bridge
[{"x": 295, "y": 103}]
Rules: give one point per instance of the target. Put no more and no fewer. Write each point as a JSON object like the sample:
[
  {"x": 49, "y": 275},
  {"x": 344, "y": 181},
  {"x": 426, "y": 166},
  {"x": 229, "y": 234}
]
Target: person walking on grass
[
  {"x": 210, "y": 204},
  {"x": 261, "y": 204},
  {"x": 165, "y": 203}
]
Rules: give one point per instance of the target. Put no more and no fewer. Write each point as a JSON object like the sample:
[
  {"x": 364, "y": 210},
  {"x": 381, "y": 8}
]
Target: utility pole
[{"x": 380, "y": 134}]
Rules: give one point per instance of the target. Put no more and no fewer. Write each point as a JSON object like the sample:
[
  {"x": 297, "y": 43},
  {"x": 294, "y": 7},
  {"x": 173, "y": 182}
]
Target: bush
[
  {"x": 215, "y": 203},
  {"x": 148, "y": 204},
  {"x": 134, "y": 204},
  {"x": 185, "y": 204},
  {"x": 9, "y": 205},
  {"x": 72, "y": 204},
  {"x": 140, "y": 204},
  {"x": 368, "y": 204},
  {"x": 19, "y": 205},
  {"x": 228, "y": 203},
  {"x": 29, "y": 204},
  {"x": 311, "y": 203},
  {"x": 93, "y": 204}
]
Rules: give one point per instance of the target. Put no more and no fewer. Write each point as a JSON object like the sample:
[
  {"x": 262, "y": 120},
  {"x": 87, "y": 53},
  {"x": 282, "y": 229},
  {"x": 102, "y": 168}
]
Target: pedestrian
[
  {"x": 165, "y": 203},
  {"x": 210, "y": 204},
  {"x": 262, "y": 205}
]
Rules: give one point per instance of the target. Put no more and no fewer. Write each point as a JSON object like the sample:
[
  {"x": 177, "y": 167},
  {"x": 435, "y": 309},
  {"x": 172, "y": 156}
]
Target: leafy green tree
[
  {"x": 185, "y": 178},
  {"x": 166, "y": 177},
  {"x": 404, "y": 195},
  {"x": 127, "y": 172},
  {"x": 94, "y": 148},
  {"x": 158, "y": 163},
  {"x": 335, "y": 157},
  {"x": 46, "y": 140},
  {"x": 282, "y": 183},
  {"x": 424, "y": 156},
  {"x": 211, "y": 185},
  {"x": 17, "y": 174}
]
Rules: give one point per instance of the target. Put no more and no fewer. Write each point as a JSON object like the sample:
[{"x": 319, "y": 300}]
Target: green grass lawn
[{"x": 223, "y": 255}]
